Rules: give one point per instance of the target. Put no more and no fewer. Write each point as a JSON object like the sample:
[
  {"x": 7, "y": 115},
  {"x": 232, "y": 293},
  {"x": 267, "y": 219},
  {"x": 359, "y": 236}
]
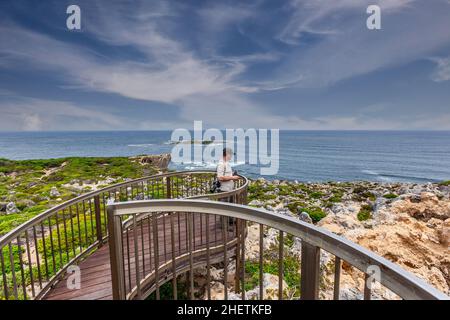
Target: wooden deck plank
[{"x": 95, "y": 269}]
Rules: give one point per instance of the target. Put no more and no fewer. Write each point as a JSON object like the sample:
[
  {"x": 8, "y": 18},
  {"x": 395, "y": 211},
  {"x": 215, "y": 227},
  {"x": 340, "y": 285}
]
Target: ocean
[{"x": 316, "y": 156}]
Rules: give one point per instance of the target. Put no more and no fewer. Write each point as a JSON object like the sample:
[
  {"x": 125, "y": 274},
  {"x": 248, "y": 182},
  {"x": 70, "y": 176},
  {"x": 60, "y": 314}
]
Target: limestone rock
[
  {"x": 160, "y": 161},
  {"x": 11, "y": 208},
  {"x": 54, "y": 193},
  {"x": 270, "y": 288},
  {"x": 304, "y": 216}
]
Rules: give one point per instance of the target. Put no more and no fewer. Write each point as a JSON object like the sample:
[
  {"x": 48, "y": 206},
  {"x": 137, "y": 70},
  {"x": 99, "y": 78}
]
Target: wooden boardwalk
[{"x": 95, "y": 270}]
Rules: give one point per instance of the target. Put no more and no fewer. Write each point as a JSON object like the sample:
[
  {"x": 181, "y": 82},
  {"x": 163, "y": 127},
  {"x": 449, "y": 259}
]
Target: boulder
[
  {"x": 304, "y": 216},
  {"x": 160, "y": 161},
  {"x": 270, "y": 288},
  {"x": 256, "y": 203},
  {"x": 11, "y": 208},
  {"x": 54, "y": 193}
]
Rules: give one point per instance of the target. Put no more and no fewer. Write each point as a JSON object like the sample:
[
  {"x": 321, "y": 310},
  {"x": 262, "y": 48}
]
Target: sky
[{"x": 293, "y": 64}]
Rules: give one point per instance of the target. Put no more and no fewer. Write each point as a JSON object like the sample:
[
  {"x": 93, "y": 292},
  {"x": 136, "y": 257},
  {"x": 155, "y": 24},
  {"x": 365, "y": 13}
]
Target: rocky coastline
[{"x": 407, "y": 223}]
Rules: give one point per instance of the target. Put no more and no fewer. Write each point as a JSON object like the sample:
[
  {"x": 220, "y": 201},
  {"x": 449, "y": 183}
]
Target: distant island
[{"x": 192, "y": 141}]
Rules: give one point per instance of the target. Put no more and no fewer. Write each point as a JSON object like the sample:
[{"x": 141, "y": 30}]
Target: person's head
[{"x": 227, "y": 153}]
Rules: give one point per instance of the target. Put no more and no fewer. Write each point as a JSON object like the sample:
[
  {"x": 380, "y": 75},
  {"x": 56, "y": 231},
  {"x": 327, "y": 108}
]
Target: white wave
[
  {"x": 143, "y": 145},
  {"x": 370, "y": 172}
]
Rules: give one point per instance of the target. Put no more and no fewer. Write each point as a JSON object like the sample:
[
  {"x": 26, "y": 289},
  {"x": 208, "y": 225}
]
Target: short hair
[{"x": 227, "y": 151}]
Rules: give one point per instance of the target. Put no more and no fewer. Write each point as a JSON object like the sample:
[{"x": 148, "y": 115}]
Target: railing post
[
  {"x": 98, "y": 220},
  {"x": 238, "y": 257},
  {"x": 310, "y": 272},
  {"x": 115, "y": 253},
  {"x": 168, "y": 188}
]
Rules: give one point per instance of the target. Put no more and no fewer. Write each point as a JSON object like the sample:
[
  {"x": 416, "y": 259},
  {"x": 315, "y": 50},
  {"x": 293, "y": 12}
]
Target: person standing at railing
[
  {"x": 224, "y": 172},
  {"x": 226, "y": 177}
]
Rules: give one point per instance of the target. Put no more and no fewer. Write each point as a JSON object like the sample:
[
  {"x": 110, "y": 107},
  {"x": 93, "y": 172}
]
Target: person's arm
[
  {"x": 230, "y": 178},
  {"x": 221, "y": 177}
]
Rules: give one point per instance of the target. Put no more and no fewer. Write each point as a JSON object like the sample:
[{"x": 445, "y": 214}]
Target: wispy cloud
[
  {"x": 150, "y": 57},
  {"x": 442, "y": 71},
  {"x": 31, "y": 114}
]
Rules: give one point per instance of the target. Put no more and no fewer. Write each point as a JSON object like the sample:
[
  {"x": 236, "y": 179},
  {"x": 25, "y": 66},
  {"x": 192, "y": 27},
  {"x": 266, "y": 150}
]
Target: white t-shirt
[{"x": 224, "y": 170}]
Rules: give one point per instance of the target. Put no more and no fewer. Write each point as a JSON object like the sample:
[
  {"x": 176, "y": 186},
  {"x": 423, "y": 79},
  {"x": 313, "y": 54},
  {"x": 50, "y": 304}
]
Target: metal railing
[
  {"x": 35, "y": 255},
  {"x": 133, "y": 250}
]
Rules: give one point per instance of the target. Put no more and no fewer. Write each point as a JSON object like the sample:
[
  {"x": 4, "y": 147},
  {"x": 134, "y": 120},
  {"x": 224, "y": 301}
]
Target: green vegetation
[
  {"x": 445, "y": 183},
  {"x": 291, "y": 267},
  {"x": 365, "y": 212},
  {"x": 315, "y": 213},
  {"x": 166, "y": 290},
  {"x": 316, "y": 195},
  {"x": 390, "y": 196},
  {"x": 361, "y": 193},
  {"x": 28, "y": 183}
]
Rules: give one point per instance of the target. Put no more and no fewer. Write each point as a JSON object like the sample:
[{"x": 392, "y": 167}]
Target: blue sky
[{"x": 150, "y": 65}]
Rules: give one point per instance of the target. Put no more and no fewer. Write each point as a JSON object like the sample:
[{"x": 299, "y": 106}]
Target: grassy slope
[{"x": 28, "y": 183}]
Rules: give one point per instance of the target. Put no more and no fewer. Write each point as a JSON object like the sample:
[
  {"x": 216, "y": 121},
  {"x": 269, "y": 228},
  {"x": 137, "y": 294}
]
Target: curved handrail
[
  {"x": 392, "y": 277},
  {"x": 44, "y": 215},
  {"x": 35, "y": 228}
]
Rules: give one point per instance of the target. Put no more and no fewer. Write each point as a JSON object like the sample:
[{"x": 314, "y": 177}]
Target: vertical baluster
[
  {"x": 77, "y": 211},
  {"x": 191, "y": 257},
  {"x": 22, "y": 273},
  {"x": 225, "y": 255},
  {"x": 179, "y": 234},
  {"x": 164, "y": 236},
  {"x": 5, "y": 283},
  {"x": 72, "y": 232},
  {"x": 193, "y": 230},
  {"x": 367, "y": 287},
  {"x": 243, "y": 230},
  {"x": 13, "y": 270},
  {"x": 149, "y": 242},
  {"x": 201, "y": 229},
  {"x": 174, "y": 267},
  {"x": 92, "y": 217},
  {"x": 59, "y": 241},
  {"x": 143, "y": 248},
  {"x": 337, "y": 277},
  {"x": 52, "y": 247},
  {"x": 86, "y": 233},
  {"x": 128, "y": 257},
  {"x": 261, "y": 260},
  {"x": 237, "y": 257},
  {"x": 280, "y": 266},
  {"x": 136, "y": 258},
  {"x": 98, "y": 220},
  {"x": 65, "y": 236},
  {"x": 156, "y": 250},
  {"x": 208, "y": 262},
  {"x": 124, "y": 247},
  {"x": 168, "y": 188},
  {"x": 38, "y": 263},
  {"x": 30, "y": 266},
  {"x": 310, "y": 271},
  {"x": 45, "y": 251},
  {"x": 105, "y": 214}
]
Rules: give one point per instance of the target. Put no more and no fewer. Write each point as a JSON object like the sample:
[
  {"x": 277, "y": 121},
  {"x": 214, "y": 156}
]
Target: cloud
[
  {"x": 442, "y": 72},
  {"x": 322, "y": 17},
  {"x": 150, "y": 57},
  {"x": 408, "y": 34},
  {"x": 31, "y": 114}
]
